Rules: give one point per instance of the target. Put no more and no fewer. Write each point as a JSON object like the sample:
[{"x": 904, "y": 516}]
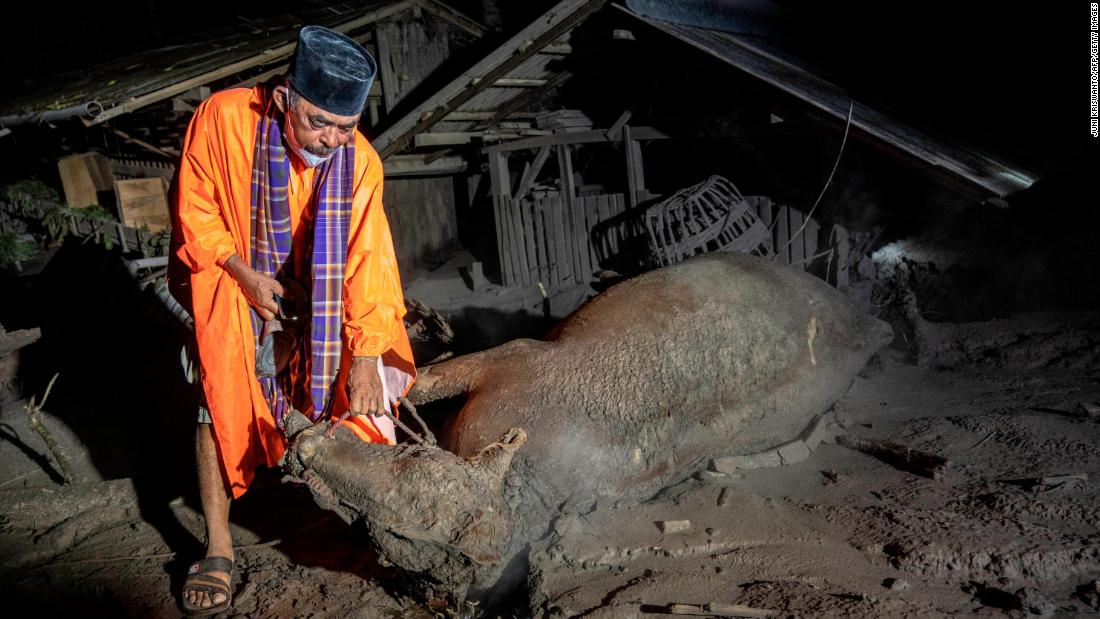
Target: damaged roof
[
  {"x": 251, "y": 51},
  {"x": 746, "y": 34}
]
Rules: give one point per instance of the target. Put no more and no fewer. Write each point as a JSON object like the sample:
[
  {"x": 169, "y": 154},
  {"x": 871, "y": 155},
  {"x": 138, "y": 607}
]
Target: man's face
[{"x": 316, "y": 130}]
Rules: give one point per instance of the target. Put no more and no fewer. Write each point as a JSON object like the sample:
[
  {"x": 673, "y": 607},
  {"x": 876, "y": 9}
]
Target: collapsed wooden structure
[{"x": 545, "y": 141}]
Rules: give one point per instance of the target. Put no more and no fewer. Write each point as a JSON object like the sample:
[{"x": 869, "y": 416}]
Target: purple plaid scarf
[{"x": 271, "y": 245}]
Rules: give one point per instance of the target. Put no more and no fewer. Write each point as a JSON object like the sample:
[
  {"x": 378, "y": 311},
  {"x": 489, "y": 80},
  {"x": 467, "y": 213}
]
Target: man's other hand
[
  {"x": 259, "y": 289},
  {"x": 365, "y": 387}
]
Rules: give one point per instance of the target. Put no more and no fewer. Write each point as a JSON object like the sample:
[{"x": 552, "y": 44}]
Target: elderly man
[{"x": 286, "y": 262}]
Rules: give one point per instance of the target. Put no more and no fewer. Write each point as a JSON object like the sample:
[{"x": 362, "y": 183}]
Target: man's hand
[
  {"x": 259, "y": 289},
  {"x": 365, "y": 387}
]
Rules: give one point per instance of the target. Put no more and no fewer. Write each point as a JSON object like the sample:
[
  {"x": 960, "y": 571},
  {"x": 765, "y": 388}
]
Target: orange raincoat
[{"x": 212, "y": 221}]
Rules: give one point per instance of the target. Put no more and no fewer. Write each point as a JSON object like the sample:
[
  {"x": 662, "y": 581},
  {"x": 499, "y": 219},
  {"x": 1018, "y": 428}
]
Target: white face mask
[{"x": 304, "y": 155}]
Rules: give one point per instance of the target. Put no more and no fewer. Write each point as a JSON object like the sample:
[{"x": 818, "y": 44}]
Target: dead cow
[{"x": 723, "y": 354}]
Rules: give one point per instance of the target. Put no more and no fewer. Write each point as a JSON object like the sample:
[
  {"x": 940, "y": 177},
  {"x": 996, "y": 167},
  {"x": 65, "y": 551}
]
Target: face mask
[{"x": 304, "y": 155}]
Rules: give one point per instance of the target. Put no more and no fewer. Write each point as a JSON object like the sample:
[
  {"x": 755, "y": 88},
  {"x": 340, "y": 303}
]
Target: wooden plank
[
  {"x": 498, "y": 186},
  {"x": 797, "y": 249},
  {"x": 527, "y": 228},
  {"x": 593, "y": 217},
  {"x": 407, "y": 54},
  {"x": 551, "y": 243},
  {"x": 521, "y": 102},
  {"x": 539, "y": 234},
  {"x": 501, "y": 182},
  {"x": 782, "y": 235},
  {"x": 518, "y": 82},
  {"x": 517, "y": 249},
  {"x": 580, "y": 243},
  {"x": 519, "y": 241},
  {"x": 420, "y": 165},
  {"x": 539, "y": 241},
  {"x": 524, "y": 44},
  {"x": 547, "y": 213},
  {"x": 143, "y": 201},
  {"x": 386, "y": 72},
  {"x": 561, "y": 252},
  {"x": 565, "y": 218},
  {"x": 841, "y": 257},
  {"x": 83, "y": 176},
  {"x": 810, "y": 237},
  {"x": 635, "y": 172},
  {"x": 532, "y": 172},
  {"x": 504, "y": 255},
  {"x": 618, "y": 207},
  {"x": 565, "y": 169}
]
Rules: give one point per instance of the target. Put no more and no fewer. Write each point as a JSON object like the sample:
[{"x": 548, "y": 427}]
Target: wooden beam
[
  {"x": 419, "y": 165},
  {"x": 545, "y": 30},
  {"x": 557, "y": 49},
  {"x": 576, "y": 137},
  {"x": 475, "y": 116},
  {"x": 532, "y": 172},
  {"x": 518, "y": 82},
  {"x": 565, "y": 167},
  {"x": 635, "y": 169},
  {"x": 498, "y": 174},
  {"x": 266, "y": 57}
]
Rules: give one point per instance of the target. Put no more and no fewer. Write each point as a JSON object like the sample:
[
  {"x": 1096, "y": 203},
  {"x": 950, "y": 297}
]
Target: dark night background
[{"x": 1013, "y": 76}]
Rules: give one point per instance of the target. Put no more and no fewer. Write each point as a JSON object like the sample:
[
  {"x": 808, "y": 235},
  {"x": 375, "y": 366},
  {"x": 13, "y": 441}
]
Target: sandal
[{"x": 199, "y": 579}]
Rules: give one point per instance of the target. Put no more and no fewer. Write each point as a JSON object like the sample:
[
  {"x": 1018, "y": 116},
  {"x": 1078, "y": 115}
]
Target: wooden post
[
  {"x": 519, "y": 242},
  {"x": 797, "y": 251},
  {"x": 635, "y": 171},
  {"x": 782, "y": 235},
  {"x": 561, "y": 253},
  {"x": 841, "y": 258},
  {"x": 531, "y": 172},
  {"x": 499, "y": 191}
]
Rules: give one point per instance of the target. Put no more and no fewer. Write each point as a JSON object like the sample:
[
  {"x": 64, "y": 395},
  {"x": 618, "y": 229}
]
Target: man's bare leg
[{"x": 215, "y": 500}]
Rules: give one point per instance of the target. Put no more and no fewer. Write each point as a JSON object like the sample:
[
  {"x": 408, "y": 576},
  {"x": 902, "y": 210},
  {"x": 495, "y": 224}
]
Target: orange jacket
[{"x": 213, "y": 221}]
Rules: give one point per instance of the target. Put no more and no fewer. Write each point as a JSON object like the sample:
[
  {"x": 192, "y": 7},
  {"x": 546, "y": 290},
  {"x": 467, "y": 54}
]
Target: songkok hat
[{"x": 332, "y": 71}]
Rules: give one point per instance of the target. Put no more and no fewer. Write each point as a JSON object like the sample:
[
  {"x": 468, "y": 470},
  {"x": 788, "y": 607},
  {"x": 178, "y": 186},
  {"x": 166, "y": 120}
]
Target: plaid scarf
[{"x": 271, "y": 245}]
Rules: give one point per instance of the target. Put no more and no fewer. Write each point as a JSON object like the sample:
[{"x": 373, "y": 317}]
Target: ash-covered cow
[{"x": 724, "y": 354}]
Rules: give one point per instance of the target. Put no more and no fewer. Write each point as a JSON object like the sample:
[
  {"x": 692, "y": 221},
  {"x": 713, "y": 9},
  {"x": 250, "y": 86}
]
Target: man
[{"x": 287, "y": 266}]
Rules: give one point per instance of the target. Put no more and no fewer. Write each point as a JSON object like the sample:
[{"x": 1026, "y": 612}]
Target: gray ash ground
[{"x": 837, "y": 534}]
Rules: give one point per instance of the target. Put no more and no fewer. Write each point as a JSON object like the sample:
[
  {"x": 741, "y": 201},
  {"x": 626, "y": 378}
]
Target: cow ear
[{"x": 495, "y": 459}]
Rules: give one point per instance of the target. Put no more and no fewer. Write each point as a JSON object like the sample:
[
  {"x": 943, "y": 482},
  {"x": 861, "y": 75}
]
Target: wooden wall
[
  {"x": 408, "y": 52},
  {"x": 422, "y": 219}
]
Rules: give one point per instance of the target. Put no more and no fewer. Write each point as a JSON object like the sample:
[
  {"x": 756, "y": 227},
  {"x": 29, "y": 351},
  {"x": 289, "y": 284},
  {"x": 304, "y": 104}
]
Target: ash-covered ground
[{"x": 1000, "y": 382}]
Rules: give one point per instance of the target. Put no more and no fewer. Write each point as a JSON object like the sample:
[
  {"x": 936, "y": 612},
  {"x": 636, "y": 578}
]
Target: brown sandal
[{"x": 199, "y": 579}]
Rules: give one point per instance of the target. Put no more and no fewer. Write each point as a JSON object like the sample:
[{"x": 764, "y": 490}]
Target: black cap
[{"x": 332, "y": 71}]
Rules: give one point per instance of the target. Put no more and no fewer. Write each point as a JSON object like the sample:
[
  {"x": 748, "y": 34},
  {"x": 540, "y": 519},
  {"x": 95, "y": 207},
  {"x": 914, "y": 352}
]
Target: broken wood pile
[{"x": 563, "y": 121}]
